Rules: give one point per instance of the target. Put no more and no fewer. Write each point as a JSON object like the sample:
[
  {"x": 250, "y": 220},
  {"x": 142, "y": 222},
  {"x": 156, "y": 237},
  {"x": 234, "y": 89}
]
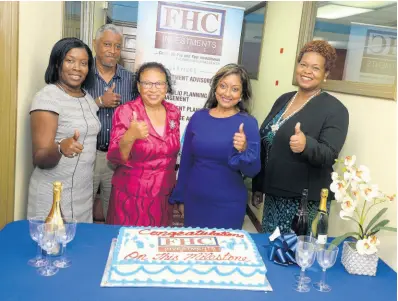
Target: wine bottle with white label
[{"x": 319, "y": 228}]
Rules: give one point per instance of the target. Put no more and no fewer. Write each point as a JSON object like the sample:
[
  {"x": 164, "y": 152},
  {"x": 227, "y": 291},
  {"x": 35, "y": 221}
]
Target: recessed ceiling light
[
  {"x": 332, "y": 11},
  {"x": 364, "y": 4}
]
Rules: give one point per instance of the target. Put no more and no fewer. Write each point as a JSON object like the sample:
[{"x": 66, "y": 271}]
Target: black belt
[{"x": 102, "y": 148}]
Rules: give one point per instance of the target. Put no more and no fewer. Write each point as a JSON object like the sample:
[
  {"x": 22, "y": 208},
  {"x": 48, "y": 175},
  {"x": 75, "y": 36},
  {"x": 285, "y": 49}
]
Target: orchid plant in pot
[{"x": 359, "y": 199}]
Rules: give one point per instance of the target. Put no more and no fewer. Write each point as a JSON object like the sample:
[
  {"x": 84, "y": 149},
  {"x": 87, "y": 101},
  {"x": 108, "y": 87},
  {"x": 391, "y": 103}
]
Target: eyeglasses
[{"x": 149, "y": 85}]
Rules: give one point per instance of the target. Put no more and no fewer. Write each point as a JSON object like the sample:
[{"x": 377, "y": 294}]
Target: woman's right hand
[
  {"x": 138, "y": 129},
  {"x": 257, "y": 199},
  {"x": 181, "y": 209},
  {"x": 70, "y": 147}
]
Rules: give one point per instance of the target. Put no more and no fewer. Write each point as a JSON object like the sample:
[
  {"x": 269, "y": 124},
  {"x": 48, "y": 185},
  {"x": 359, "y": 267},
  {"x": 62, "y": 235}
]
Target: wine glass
[
  {"x": 48, "y": 240},
  {"x": 309, "y": 239},
  {"x": 326, "y": 257},
  {"x": 65, "y": 235},
  {"x": 305, "y": 257},
  {"x": 34, "y": 223}
]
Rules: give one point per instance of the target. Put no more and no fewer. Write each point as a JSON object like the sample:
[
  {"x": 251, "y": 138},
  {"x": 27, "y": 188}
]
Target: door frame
[{"x": 9, "y": 16}]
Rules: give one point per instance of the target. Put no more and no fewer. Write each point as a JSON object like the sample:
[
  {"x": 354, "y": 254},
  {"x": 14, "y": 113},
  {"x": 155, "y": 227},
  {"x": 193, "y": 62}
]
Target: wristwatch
[{"x": 59, "y": 145}]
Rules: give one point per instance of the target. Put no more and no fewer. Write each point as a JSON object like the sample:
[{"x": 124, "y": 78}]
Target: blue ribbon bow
[{"x": 283, "y": 249}]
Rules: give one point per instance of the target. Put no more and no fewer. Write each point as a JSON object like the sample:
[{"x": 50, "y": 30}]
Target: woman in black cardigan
[{"x": 301, "y": 138}]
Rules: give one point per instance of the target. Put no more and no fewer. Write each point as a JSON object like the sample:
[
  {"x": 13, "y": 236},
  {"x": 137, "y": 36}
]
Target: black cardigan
[{"x": 324, "y": 121}]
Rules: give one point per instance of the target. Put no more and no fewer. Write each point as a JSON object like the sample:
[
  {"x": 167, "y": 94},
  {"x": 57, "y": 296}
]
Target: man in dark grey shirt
[{"x": 113, "y": 86}]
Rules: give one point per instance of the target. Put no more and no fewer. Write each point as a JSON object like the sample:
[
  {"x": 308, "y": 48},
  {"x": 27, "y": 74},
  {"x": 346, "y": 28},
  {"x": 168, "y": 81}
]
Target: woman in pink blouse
[{"x": 145, "y": 141}]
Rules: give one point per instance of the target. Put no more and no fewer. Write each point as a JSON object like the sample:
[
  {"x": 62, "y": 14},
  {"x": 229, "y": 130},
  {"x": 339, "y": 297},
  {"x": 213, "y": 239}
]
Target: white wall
[
  {"x": 372, "y": 137},
  {"x": 373, "y": 128},
  {"x": 40, "y": 26}
]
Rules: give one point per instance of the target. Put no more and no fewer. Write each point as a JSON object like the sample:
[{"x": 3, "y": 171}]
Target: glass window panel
[
  {"x": 72, "y": 17},
  {"x": 365, "y": 37},
  {"x": 252, "y": 36}
]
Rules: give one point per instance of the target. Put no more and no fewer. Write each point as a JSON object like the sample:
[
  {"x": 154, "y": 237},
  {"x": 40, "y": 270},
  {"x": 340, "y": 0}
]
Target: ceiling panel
[
  {"x": 244, "y": 4},
  {"x": 386, "y": 15}
]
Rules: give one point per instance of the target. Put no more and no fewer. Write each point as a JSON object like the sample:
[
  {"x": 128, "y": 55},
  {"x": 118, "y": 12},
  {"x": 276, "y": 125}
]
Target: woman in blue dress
[{"x": 221, "y": 145}]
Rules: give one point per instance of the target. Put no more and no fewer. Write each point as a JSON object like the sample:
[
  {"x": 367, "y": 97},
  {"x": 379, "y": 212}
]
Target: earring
[{"x": 324, "y": 80}]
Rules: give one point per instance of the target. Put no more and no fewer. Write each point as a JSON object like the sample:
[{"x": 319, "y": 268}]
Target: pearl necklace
[{"x": 275, "y": 127}]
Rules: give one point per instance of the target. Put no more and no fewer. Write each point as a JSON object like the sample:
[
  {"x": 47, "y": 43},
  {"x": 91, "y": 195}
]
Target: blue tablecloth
[{"x": 89, "y": 252}]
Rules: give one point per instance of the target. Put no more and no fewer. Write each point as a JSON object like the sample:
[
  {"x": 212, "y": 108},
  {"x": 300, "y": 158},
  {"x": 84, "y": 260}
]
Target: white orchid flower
[
  {"x": 356, "y": 195},
  {"x": 348, "y": 204},
  {"x": 344, "y": 214},
  {"x": 365, "y": 248},
  {"x": 347, "y": 176},
  {"x": 335, "y": 176},
  {"x": 362, "y": 174},
  {"x": 354, "y": 185},
  {"x": 391, "y": 198},
  {"x": 337, "y": 187},
  {"x": 349, "y": 161},
  {"x": 373, "y": 240},
  {"x": 355, "y": 190},
  {"x": 369, "y": 192}
]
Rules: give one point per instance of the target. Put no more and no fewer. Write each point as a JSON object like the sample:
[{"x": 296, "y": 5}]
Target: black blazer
[{"x": 324, "y": 121}]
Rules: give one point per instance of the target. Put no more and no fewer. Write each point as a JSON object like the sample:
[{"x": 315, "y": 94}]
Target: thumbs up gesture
[
  {"x": 111, "y": 99},
  {"x": 138, "y": 129},
  {"x": 298, "y": 140},
  {"x": 240, "y": 142},
  {"x": 70, "y": 147}
]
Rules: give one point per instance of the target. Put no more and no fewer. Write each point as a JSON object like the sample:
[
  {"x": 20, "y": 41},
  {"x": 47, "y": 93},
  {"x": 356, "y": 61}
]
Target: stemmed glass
[
  {"x": 66, "y": 235},
  {"x": 311, "y": 240},
  {"x": 48, "y": 240},
  {"x": 305, "y": 257},
  {"x": 34, "y": 223},
  {"x": 326, "y": 257}
]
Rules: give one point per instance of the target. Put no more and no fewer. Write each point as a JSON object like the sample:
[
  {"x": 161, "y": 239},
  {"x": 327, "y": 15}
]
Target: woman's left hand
[
  {"x": 240, "y": 142},
  {"x": 298, "y": 140}
]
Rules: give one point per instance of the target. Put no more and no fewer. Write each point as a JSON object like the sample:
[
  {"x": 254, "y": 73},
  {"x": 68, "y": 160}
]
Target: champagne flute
[
  {"x": 305, "y": 257},
  {"x": 48, "y": 240},
  {"x": 326, "y": 257},
  {"x": 65, "y": 235},
  {"x": 34, "y": 223},
  {"x": 312, "y": 240}
]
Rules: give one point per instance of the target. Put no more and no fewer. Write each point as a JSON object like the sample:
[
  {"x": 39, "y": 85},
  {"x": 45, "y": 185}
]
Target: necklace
[
  {"x": 62, "y": 89},
  {"x": 275, "y": 127}
]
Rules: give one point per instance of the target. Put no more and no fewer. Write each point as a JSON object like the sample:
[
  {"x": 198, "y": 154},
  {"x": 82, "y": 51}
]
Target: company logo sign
[
  {"x": 188, "y": 244},
  {"x": 189, "y": 28}
]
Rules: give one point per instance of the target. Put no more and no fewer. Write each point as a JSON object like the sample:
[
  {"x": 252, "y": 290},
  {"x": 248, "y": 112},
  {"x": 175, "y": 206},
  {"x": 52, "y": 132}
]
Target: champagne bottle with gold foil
[
  {"x": 55, "y": 216},
  {"x": 319, "y": 228}
]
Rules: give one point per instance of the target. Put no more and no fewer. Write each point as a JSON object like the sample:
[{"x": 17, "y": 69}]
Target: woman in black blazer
[{"x": 300, "y": 140}]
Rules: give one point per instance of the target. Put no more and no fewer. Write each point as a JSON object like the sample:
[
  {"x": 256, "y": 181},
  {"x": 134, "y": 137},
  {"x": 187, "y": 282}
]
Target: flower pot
[{"x": 356, "y": 263}]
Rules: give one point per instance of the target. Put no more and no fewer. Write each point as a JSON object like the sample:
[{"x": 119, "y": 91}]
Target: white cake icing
[{"x": 186, "y": 257}]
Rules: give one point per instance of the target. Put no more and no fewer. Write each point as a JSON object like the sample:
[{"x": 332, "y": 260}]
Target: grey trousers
[{"x": 103, "y": 172}]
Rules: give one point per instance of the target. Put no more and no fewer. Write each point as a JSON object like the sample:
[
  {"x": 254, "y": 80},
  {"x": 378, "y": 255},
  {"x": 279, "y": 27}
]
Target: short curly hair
[{"x": 324, "y": 49}]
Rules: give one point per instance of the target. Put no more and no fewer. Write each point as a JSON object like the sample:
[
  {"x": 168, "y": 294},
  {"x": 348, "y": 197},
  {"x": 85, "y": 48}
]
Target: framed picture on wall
[
  {"x": 365, "y": 45},
  {"x": 129, "y": 43}
]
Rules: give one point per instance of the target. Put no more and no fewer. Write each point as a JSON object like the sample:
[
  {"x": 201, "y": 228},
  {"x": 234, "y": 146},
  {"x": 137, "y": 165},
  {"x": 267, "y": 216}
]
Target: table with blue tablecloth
[{"x": 89, "y": 252}]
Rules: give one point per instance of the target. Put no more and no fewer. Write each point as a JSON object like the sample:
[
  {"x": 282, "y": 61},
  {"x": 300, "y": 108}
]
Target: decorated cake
[{"x": 185, "y": 257}]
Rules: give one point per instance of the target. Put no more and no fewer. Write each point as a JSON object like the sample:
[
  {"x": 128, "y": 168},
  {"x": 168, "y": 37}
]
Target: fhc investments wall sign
[
  {"x": 193, "y": 40},
  {"x": 189, "y": 28}
]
